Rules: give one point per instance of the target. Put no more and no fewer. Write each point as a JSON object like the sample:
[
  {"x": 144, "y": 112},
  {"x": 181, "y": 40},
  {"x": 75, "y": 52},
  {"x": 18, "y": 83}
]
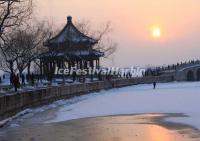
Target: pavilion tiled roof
[{"x": 70, "y": 34}]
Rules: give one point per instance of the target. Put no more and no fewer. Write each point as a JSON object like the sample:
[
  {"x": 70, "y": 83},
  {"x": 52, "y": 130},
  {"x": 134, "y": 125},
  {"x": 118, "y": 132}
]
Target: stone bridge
[{"x": 189, "y": 72}]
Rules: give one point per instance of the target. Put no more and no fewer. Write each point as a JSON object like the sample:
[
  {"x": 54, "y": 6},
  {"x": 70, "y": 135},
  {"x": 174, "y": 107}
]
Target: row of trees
[
  {"x": 22, "y": 37},
  {"x": 14, "y": 37},
  {"x": 22, "y": 47}
]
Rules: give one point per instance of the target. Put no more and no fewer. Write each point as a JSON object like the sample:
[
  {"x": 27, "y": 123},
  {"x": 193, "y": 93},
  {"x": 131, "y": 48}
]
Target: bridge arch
[
  {"x": 190, "y": 76},
  {"x": 198, "y": 74},
  {"x": 188, "y": 73}
]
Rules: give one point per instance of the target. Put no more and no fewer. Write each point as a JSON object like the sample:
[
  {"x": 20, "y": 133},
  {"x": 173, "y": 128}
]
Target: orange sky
[{"x": 132, "y": 21}]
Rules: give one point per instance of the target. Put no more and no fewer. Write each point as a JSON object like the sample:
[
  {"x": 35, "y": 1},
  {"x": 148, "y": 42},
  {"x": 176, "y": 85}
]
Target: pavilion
[{"x": 70, "y": 48}]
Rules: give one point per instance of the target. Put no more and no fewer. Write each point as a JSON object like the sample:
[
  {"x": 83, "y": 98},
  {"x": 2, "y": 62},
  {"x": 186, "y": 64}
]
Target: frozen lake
[{"x": 169, "y": 98}]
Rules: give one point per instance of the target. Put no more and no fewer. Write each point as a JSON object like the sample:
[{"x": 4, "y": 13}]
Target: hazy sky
[{"x": 132, "y": 20}]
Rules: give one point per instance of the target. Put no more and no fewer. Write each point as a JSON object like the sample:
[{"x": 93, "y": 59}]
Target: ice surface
[
  {"x": 140, "y": 99},
  {"x": 174, "y": 97}
]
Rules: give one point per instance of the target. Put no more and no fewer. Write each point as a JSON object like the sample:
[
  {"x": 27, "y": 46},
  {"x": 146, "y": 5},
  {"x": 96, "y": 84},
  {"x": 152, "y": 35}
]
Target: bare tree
[
  {"x": 102, "y": 34},
  {"x": 25, "y": 45},
  {"x": 13, "y": 13},
  {"x": 7, "y": 57}
]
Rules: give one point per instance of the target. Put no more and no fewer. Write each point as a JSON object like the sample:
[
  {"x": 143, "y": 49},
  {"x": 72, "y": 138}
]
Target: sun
[{"x": 156, "y": 32}]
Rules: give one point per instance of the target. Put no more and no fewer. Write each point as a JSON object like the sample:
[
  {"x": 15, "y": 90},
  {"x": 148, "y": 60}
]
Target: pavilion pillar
[
  {"x": 69, "y": 65},
  {"x": 78, "y": 64},
  {"x": 73, "y": 64},
  {"x": 45, "y": 67},
  {"x": 62, "y": 64},
  {"x": 92, "y": 64},
  {"x": 58, "y": 64},
  {"x": 85, "y": 64},
  {"x": 98, "y": 63},
  {"x": 49, "y": 68},
  {"x": 81, "y": 64},
  {"x": 41, "y": 67},
  {"x": 54, "y": 66}
]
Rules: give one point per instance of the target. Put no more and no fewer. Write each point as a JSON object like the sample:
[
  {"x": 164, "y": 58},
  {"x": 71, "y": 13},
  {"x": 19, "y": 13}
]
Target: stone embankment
[{"x": 11, "y": 104}]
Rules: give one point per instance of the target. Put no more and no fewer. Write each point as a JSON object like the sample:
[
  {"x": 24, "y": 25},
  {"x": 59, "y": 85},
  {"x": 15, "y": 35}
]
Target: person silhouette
[
  {"x": 154, "y": 85},
  {"x": 23, "y": 79},
  {"x": 32, "y": 78},
  {"x": 16, "y": 82}
]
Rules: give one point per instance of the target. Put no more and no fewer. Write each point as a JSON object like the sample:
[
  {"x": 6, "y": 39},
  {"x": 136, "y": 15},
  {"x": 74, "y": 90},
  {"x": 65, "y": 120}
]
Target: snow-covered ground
[{"x": 167, "y": 98}]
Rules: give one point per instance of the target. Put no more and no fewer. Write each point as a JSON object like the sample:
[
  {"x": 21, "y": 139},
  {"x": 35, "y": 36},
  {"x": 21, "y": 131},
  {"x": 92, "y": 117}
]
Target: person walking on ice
[{"x": 154, "y": 85}]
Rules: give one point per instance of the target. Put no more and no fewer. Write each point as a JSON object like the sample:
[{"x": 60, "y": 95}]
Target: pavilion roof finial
[{"x": 69, "y": 19}]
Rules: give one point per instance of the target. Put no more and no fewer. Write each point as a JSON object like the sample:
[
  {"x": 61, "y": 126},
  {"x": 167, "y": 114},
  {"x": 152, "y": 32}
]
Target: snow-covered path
[{"x": 167, "y": 98}]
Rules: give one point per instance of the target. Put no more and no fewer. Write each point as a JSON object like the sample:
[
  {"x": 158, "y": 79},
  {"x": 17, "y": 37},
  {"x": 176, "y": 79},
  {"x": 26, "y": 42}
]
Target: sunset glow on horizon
[{"x": 177, "y": 26}]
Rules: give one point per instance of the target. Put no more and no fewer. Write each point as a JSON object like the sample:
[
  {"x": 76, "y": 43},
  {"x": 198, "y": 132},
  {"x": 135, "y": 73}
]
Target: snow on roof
[{"x": 71, "y": 34}]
